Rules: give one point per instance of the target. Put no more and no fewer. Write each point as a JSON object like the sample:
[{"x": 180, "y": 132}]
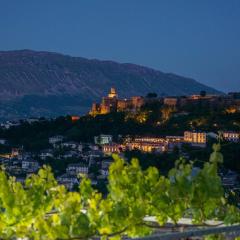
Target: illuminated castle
[
  {"x": 113, "y": 93},
  {"x": 111, "y": 103}
]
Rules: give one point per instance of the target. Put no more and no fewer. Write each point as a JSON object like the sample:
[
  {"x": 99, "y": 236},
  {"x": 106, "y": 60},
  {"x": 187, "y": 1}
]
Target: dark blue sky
[{"x": 199, "y": 39}]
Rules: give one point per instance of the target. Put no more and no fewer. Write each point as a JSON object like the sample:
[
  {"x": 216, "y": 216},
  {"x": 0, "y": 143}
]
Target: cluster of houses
[
  {"x": 162, "y": 144},
  {"x": 18, "y": 163},
  {"x": 84, "y": 157},
  {"x": 80, "y": 158},
  {"x": 88, "y": 156}
]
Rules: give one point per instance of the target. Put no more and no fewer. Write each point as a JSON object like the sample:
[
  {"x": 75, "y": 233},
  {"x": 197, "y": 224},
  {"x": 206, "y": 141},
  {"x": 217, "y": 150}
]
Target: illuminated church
[{"x": 112, "y": 103}]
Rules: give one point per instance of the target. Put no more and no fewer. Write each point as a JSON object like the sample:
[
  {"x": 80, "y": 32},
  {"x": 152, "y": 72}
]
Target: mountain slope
[{"x": 50, "y": 83}]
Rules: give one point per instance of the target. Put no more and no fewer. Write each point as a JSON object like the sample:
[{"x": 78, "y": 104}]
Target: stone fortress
[{"x": 112, "y": 103}]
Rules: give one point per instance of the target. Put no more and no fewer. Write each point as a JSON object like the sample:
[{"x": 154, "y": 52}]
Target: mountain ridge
[{"x": 28, "y": 73}]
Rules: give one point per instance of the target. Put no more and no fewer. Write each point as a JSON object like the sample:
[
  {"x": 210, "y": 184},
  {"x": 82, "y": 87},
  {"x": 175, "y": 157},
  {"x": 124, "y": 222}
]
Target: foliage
[
  {"x": 42, "y": 209},
  {"x": 163, "y": 162}
]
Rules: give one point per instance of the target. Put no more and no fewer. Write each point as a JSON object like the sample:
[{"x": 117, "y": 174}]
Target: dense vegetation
[{"x": 42, "y": 209}]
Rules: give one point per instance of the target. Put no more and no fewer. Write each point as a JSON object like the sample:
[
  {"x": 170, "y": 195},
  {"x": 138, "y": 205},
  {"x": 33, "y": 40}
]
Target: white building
[
  {"x": 46, "y": 154},
  {"x": 93, "y": 147},
  {"x": 10, "y": 124},
  {"x": 104, "y": 172},
  {"x": 55, "y": 139},
  {"x": 77, "y": 168},
  {"x": 70, "y": 154},
  {"x": 30, "y": 165},
  {"x": 68, "y": 181},
  {"x": 148, "y": 147},
  {"x": 3, "y": 141},
  {"x": 80, "y": 147},
  {"x": 103, "y": 139},
  {"x": 106, "y": 163},
  {"x": 72, "y": 145}
]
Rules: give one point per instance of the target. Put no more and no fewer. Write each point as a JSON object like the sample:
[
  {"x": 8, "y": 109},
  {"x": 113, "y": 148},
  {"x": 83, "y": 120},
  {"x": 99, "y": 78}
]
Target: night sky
[{"x": 198, "y": 39}]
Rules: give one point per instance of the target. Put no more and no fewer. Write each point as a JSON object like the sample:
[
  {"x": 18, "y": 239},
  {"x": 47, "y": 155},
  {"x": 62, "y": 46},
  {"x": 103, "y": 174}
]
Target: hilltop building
[
  {"x": 171, "y": 101},
  {"x": 112, "y": 103}
]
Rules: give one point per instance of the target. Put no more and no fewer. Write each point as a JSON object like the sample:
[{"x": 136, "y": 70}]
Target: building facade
[
  {"x": 103, "y": 139},
  {"x": 195, "y": 138},
  {"x": 231, "y": 136},
  {"x": 112, "y": 103}
]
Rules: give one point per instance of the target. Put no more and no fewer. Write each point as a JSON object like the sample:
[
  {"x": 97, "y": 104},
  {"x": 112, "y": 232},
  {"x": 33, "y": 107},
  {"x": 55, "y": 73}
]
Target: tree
[{"x": 42, "y": 209}]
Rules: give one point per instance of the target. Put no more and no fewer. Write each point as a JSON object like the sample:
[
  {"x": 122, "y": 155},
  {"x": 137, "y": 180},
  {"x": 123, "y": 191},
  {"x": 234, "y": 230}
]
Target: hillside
[{"x": 44, "y": 83}]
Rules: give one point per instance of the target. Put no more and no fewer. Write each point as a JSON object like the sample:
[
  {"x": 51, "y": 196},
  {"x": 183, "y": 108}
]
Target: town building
[
  {"x": 30, "y": 165},
  {"x": 71, "y": 144},
  {"x": 17, "y": 153},
  {"x": 149, "y": 140},
  {"x": 147, "y": 146},
  {"x": 93, "y": 155},
  {"x": 174, "y": 142},
  {"x": 68, "y": 181},
  {"x": 3, "y": 141},
  {"x": 47, "y": 153},
  {"x": 230, "y": 179},
  {"x": 75, "y": 118},
  {"x": 104, "y": 173},
  {"x": 137, "y": 102},
  {"x": 93, "y": 147},
  {"x": 231, "y": 136},
  {"x": 70, "y": 154},
  {"x": 77, "y": 168},
  {"x": 171, "y": 101},
  {"x": 123, "y": 104},
  {"x": 103, "y": 139},
  {"x": 32, "y": 120},
  {"x": 112, "y": 148},
  {"x": 195, "y": 138},
  {"x": 105, "y": 164},
  {"x": 55, "y": 139},
  {"x": 10, "y": 124},
  {"x": 174, "y": 138},
  {"x": 15, "y": 169}
]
